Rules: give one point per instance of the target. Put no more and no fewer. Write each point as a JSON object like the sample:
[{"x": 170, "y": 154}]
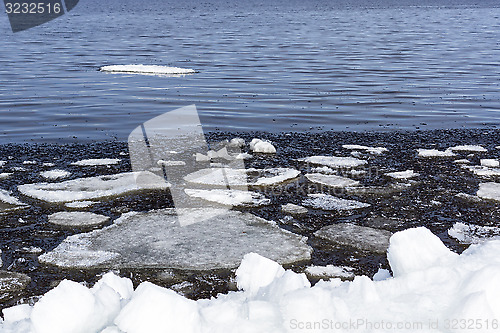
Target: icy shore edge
[{"x": 430, "y": 288}]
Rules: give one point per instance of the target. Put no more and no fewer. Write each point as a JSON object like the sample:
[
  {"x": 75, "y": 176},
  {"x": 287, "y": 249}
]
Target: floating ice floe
[
  {"x": 490, "y": 163},
  {"x": 48, "y": 164},
  {"x": 430, "y": 285},
  {"x": 462, "y": 161},
  {"x": 12, "y": 284},
  {"x": 79, "y": 204},
  {"x": 362, "y": 238},
  {"x": 469, "y": 148},
  {"x": 5, "y": 175},
  {"x": 293, "y": 209},
  {"x": 330, "y": 202},
  {"x": 329, "y": 272},
  {"x": 29, "y": 162},
  {"x": 331, "y": 180},
  {"x": 489, "y": 190},
  {"x": 94, "y": 187},
  {"x": 390, "y": 189},
  {"x": 435, "y": 153},
  {"x": 220, "y": 241},
  {"x": 468, "y": 197},
  {"x": 55, "y": 174},
  {"x": 77, "y": 219},
  {"x": 146, "y": 69},
  {"x": 334, "y": 161},
  {"x": 471, "y": 234},
  {"x": 483, "y": 171},
  {"x": 262, "y": 146},
  {"x": 371, "y": 150},
  {"x": 403, "y": 174},
  {"x": 241, "y": 177},
  {"x": 97, "y": 162},
  {"x": 230, "y": 197}
]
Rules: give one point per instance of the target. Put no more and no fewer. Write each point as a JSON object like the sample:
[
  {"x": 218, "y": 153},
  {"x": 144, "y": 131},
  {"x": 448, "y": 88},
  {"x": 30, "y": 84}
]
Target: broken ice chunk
[
  {"x": 371, "y": 150},
  {"x": 403, "y": 174},
  {"x": 156, "y": 240},
  {"x": 55, "y": 174},
  {"x": 230, "y": 197},
  {"x": 293, "y": 209},
  {"x": 8, "y": 202},
  {"x": 469, "y": 148},
  {"x": 94, "y": 187},
  {"x": 435, "y": 153},
  {"x": 262, "y": 146},
  {"x": 329, "y": 202},
  {"x": 472, "y": 234},
  {"x": 77, "y": 219},
  {"x": 241, "y": 177},
  {"x": 334, "y": 161},
  {"x": 97, "y": 162},
  {"x": 331, "y": 180},
  {"x": 489, "y": 190},
  {"x": 330, "y": 272},
  {"x": 362, "y": 238},
  {"x": 491, "y": 163}
]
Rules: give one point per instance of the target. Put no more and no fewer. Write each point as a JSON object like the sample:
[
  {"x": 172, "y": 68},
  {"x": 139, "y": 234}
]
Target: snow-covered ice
[
  {"x": 230, "y": 197},
  {"x": 77, "y": 219},
  {"x": 334, "y": 161},
  {"x": 94, "y": 187},
  {"x": 359, "y": 237},
  {"x": 330, "y": 271},
  {"x": 262, "y": 146},
  {"x": 97, "y": 162},
  {"x": 469, "y": 148},
  {"x": 491, "y": 163},
  {"x": 331, "y": 180},
  {"x": 469, "y": 234},
  {"x": 241, "y": 177},
  {"x": 293, "y": 209},
  {"x": 55, "y": 174},
  {"x": 435, "y": 153},
  {"x": 146, "y": 69},
  {"x": 220, "y": 241},
  {"x": 490, "y": 190},
  {"x": 430, "y": 285},
  {"x": 330, "y": 202},
  {"x": 403, "y": 174},
  {"x": 371, "y": 150}
]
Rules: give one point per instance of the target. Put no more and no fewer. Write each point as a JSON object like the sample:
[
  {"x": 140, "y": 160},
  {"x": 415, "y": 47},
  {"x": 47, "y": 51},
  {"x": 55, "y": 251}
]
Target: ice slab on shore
[
  {"x": 331, "y": 180},
  {"x": 55, "y": 174},
  {"x": 489, "y": 190},
  {"x": 403, "y": 174},
  {"x": 77, "y": 219},
  {"x": 470, "y": 234},
  {"x": 334, "y": 161},
  {"x": 330, "y": 202},
  {"x": 359, "y": 237},
  {"x": 241, "y": 177},
  {"x": 469, "y": 148},
  {"x": 94, "y": 187},
  {"x": 230, "y": 197},
  {"x": 435, "y": 153},
  {"x": 146, "y": 69},
  {"x": 156, "y": 240},
  {"x": 371, "y": 150},
  {"x": 97, "y": 162},
  {"x": 431, "y": 284}
]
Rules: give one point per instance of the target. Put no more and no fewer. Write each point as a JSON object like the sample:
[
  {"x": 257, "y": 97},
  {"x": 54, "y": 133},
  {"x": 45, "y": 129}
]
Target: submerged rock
[
  {"x": 94, "y": 187},
  {"x": 156, "y": 240},
  {"x": 12, "y": 284},
  {"x": 361, "y": 238}
]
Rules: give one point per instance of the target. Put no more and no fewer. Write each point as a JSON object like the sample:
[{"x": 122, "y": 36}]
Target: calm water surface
[{"x": 271, "y": 66}]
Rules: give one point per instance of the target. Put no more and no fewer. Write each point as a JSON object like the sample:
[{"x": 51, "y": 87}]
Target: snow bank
[
  {"x": 430, "y": 286},
  {"x": 146, "y": 69},
  {"x": 262, "y": 146}
]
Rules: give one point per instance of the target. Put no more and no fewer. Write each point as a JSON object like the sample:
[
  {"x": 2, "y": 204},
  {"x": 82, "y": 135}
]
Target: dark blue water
[{"x": 263, "y": 65}]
